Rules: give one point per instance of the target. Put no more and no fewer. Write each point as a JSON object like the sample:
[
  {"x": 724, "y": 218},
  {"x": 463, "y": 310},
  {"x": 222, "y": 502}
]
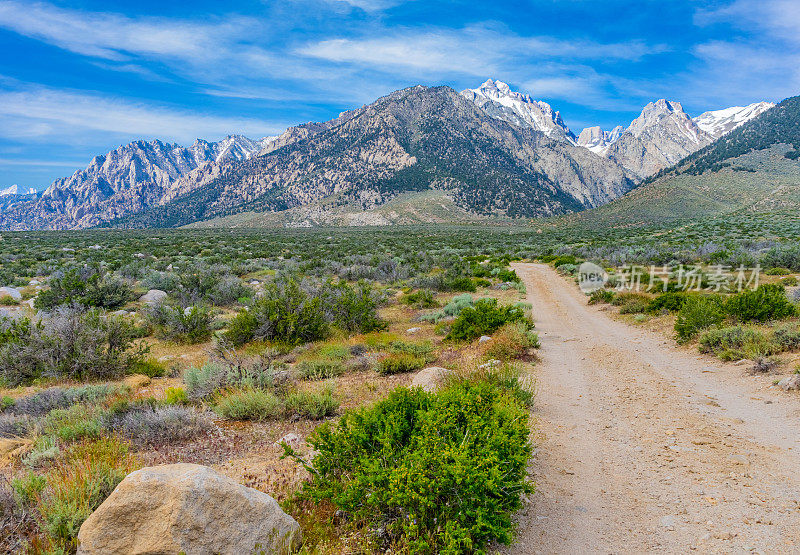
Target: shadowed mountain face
[{"x": 411, "y": 140}]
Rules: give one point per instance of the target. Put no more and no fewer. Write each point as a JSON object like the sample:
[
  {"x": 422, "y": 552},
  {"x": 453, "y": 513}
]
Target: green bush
[
  {"x": 698, "y": 312},
  {"x": 768, "y": 302},
  {"x": 787, "y": 337},
  {"x": 512, "y": 341},
  {"x": 635, "y": 306},
  {"x": 315, "y": 406},
  {"x": 249, "y": 404},
  {"x": 483, "y": 319},
  {"x": 420, "y": 299},
  {"x": 672, "y": 301},
  {"x": 790, "y": 281},
  {"x": 182, "y": 325},
  {"x": 175, "y": 396},
  {"x": 284, "y": 313},
  {"x": 320, "y": 369},
  {"x": 399, "y": 363},
  {"x": 778, "y": 272},
  {"x": 351, "y": 309},
  {"x": 89, "y": 287},
  {"x": 150, "y": 368},
  {"x": 442, "y": 473}
]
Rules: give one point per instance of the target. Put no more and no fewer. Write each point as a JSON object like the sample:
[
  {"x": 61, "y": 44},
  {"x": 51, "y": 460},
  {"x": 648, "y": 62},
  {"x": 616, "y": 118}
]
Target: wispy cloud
[{"x": 64, "y": 115}]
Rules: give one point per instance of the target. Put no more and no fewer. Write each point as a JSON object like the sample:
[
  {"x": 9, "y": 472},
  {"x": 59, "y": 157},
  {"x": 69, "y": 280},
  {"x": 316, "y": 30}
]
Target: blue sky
[{"x": 80, "y": 78}]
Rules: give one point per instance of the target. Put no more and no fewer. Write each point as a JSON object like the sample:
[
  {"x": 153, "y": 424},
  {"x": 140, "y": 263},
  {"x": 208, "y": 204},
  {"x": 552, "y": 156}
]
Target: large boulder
[
  {"x": 10, "y": 292},
  {"x": 187, "y": 508},
  {"x": 790, "y": 383},
  {"x": 431, "y": 378},
  {"x": 154, "y": 296}
]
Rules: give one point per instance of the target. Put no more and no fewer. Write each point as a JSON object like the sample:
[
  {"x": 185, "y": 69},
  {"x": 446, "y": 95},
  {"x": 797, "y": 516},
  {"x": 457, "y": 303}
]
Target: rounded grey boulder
[{"x": 187, "y": 508}]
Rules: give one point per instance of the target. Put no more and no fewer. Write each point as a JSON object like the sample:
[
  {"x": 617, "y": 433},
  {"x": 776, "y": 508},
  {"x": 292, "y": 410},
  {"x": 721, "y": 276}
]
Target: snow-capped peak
[
  {"x": 497, "y": 99},
  {"x": 15, "y": 190},
  {"x": 718, "y": 122}
]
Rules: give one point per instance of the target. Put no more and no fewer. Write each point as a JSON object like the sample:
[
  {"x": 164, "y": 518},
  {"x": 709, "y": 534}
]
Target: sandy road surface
[{"x": 645, "y": 447}]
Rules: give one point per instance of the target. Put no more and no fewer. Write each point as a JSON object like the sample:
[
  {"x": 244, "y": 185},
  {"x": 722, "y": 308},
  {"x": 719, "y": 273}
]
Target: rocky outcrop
[{"x": 187, "y": 508}]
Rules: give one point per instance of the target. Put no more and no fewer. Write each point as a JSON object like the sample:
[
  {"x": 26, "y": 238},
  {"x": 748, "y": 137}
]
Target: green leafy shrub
[
  {"x": 175, "y": 396},
  {"x": 483, "y": 319},
  {"x": 420, "y": 299},
  {"x": 423, "y": 349},
  {"x": 790, "y": 281},
  {"x": 778, "y": 272},
  {"x": 635, "y": 306},
  {"x": 672, "y": 301},
  {"x": 284, "y": 313},
  {"x": 561, "y": 260},
  {"x": 352, "y": 309},
  {"x": 75, "y": 422},
  {"x": 698, "y": 312},
  {"x": 735, "y": 343},
  {"x": 768, "y": 302},
  {"x": 89, "y": 287},
  {"x": 150, "y": 368},
  {"x": 440, "y": 472},
  {"x": 399, "y": 363}
]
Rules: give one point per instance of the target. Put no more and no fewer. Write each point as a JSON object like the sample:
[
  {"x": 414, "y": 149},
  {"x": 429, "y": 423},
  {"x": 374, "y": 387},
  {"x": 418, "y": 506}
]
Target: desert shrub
[
  {"x": 399, "y": 363},
  {"x": 422, "y": 349},
  {"x": 420, "y": 299},
  {"x": 70, "y": 344},
  {"x": 439, "y": 472},
  {"x": 506, "y": 275},
  {"x": 768, "y": 302},
  {"x": 698, "y": 312},
  {"x": 88, "y": 287},
  {"x": 561, "y": 260},
  {"x": 320, "y": 369},
  {"x": 147, "y": 425},
  {"x": 150, "y": 368},
  {"x": 784, "y": 256},
  {"x": 203, "y": 381},
  {"x": 483, "y": 319},
  {"x": 312, "y": 405},
  {"x": 45, "y": 449},
  {"x": 28, "y": 488},
  {"x": 735, "y": 343},
  {"x": 41, "y": 403},
  {"x": 181, "y": 325},
  {"x": 249, "y": 404},
  {"x": 790, "y": 281},
  {"x": 228, "y": 290},
  {"x": 621, "y": 299},
  {"x": 78, "y": 484},
  {"x": 787, "y": 337},
  {"x": 512, "y": 341},
  {"x": 351, "y": 308},
  {"x": 74, "y": 423},
  {"x": 671, "y": 300},
  {"x": 635, "y": 306},
  {"x": 778, "y": 272},
  {"x": 601, "y": 296},
  {"x": 284, "y": 314},
  {"x": 15, "y": 425},
  {"x": 566, "y": 269},
  {"x": 175, "y": 396}
]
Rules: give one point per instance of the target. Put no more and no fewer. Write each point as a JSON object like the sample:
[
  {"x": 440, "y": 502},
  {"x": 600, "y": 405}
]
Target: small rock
[
  {"x": 490, "y": 364},
  {"x": 34, "y": 282},
  {"x": 154, "y": 296},
  {"x": 790, "y": 383},
  {"x": 668, "y": 522},
  {"x": 431, "y": 378},
  {"x": 120, "y": 313},
  {"x": 187, "y": 508},
  {"x": 292, "y": 440},
  {"x": 412, "y": 331},
  {"x": 484, "y": 339}
]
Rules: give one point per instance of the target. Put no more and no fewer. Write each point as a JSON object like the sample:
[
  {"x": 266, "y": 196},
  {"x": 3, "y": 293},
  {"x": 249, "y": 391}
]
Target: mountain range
[{"x": 484, "y": 152}]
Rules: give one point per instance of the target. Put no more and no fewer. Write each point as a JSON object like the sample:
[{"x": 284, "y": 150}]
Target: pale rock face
[
  {"x": 597, "y": 140},
  {"x": 719, "y": 122},
  {"x": 187, "y": 508},
  {"x": 431, "y": 378},
  {"x": 16, "y": 190},
  {"x": 661, "y": 136},
  {"x": 499, "y": 101}
]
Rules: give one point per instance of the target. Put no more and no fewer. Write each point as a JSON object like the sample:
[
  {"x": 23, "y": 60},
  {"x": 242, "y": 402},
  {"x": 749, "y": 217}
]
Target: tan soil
[{"x": 646, "y": 447}]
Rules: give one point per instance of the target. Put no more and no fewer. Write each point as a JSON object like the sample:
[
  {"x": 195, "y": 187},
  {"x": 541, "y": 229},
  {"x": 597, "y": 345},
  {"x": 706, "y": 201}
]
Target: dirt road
[{"x": 646, "y": 447}]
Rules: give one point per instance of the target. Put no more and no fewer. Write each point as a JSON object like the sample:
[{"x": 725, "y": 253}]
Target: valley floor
[{"x": 648, "y": 447}]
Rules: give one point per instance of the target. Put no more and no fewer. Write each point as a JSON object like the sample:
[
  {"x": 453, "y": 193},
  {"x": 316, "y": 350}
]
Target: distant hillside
[{"x": 754, "y": 168}]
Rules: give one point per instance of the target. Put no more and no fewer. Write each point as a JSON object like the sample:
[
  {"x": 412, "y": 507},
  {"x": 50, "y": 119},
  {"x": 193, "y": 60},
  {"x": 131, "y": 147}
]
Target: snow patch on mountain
[
  {"x": 16, "y": 190},
  {"x": 597, "y": 140},
  {"x": 718, "y": 122},
  {"x": 499, "y": 101}
]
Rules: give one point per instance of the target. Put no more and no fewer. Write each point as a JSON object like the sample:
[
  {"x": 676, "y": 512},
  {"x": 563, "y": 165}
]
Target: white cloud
[{"x": 49, "y": 114}]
